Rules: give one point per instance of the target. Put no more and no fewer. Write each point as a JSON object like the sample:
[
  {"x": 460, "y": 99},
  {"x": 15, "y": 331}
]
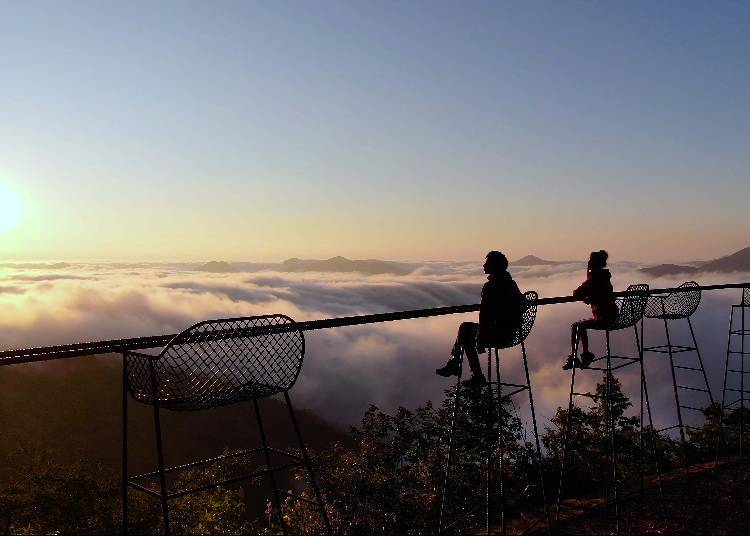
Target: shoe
[
  {"x": 572, "y": 361},
  {"x": 586, "y": 359},
  {"x": 476, "y": 381},
  {"x": 452, "y": 368}
]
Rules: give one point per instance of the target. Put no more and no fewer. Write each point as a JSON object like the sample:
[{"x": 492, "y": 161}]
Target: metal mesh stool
[
  {"x": 736, "y": 386},
  {"x": 496, "y": 448},
  {"x": 630, "y": 312},
  {"x": 211, "y": 364},
  {"x": 678, "y": 306}
]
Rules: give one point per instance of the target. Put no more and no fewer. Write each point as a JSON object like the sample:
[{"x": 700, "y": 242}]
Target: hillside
[
  {"x": 342, "y": 264},
  {"x": 738, "y": 261},
  {"x": 533, "y": 260}
]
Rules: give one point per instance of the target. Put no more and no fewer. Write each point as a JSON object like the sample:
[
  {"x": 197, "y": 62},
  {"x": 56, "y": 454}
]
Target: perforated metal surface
[
  {"x": 746, "y": 296},
  {"x": 630, "y": 308},
  {"x": 219, "y": 362},
  {"x": 527, "y": 321},
  {"x": 676, "y": 304}
]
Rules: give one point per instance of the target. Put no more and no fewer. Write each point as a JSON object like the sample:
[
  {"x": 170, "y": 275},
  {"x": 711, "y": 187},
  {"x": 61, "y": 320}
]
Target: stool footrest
[
  {"x": 688, "y": 368},
  {"x": 738, "y": 371},
  {"x": 692, "y": 388},
  {"x": 693, "y": 408},
  {"x": 664, "y": 349}
]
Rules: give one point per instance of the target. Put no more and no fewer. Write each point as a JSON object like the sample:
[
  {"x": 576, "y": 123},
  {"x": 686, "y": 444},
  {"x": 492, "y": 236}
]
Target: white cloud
[{"x": 387, "y": 364}]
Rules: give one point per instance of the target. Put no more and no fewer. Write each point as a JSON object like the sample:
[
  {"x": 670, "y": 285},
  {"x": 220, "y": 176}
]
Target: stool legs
[
  {"x": 449, "y": 463},
  {"x": 124, "y": 445},
  {"x": 566, "y": 433},
  {"x": 494, "y": 399},
  {"x": 160, "y": 454},
  {"x": 308, "y": 465},
  {"x": 742, "y": 332},
  {"x": 267, "y": 455},
  {"x": 536, "y": 438}
]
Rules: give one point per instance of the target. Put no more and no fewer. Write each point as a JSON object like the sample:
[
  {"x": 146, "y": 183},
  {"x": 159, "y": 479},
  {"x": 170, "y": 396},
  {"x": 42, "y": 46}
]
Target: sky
[{"x": 184, "y": 130}]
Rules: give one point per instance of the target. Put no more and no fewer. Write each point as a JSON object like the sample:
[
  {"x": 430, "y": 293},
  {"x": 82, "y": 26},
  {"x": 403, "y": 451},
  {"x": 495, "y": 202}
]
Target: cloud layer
[{"x": 346, "y": 369}]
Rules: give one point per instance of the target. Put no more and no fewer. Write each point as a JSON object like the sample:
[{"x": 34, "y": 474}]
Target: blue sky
[{"x": 431, "y": 130}]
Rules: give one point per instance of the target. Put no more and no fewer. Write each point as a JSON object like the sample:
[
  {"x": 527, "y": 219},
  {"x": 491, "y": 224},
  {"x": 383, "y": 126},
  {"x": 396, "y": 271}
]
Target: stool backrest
[
  {"x": 683, "y": 304},
  {"x": 630, "y": 307},
  {"x": 745, "y": 296},
  {"x": 528, "y": 315},
  {"x": 228, "y": 355}
]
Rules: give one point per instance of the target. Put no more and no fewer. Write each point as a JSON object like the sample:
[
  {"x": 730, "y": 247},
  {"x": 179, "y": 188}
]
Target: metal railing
[{"x": 49, "y": 353}]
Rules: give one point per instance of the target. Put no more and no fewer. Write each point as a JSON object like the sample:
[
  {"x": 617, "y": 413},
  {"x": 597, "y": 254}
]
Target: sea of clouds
[{"x": 346, "y": 369}]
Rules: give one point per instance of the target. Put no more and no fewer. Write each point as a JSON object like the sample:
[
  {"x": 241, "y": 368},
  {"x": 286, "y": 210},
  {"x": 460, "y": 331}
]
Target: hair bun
[{"x": 604, "y": 254}]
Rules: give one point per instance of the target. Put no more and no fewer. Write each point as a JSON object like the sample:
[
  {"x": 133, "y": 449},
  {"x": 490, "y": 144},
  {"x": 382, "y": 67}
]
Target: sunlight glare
[{"x": 10, "y": 209}]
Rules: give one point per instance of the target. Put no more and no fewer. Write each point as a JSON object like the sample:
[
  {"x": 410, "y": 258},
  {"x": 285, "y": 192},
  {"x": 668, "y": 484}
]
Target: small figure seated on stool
[
  {"x": 597, "y": 291},
  {"x": 500, "y": 313}
]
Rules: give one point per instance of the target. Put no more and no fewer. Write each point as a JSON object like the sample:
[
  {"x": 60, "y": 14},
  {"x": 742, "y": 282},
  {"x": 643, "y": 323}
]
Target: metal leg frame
[
  {"x": 742, "y": 333},
  {"x": 308, "y": 466},
  {"x": 160, "y": 454},
  {"x": 494, "y": 401},
  {"x": 267, "y": 455},
  {"x": 449, "y": 462}
]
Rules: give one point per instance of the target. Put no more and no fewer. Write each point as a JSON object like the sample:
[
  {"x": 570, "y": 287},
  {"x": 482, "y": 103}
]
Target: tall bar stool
[
  {"x": 630, "y": 312},
  {"x": 496, "y": 448},
  {"x": 737, "y": 387},
  {"x": 211, "y": 364},
  {"x": 679, "y": 306}
]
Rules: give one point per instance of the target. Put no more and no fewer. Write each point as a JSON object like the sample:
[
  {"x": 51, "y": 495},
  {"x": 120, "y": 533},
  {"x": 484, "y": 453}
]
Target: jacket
[
  {"x": 597, "y": 291},
  {"x": 500, "y": 312}
]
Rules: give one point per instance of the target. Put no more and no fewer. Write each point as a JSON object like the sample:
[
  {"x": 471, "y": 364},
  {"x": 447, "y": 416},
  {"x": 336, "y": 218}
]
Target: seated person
[
  {"x": 500, "y": 314},
  {"x": 597, "y": 291}
]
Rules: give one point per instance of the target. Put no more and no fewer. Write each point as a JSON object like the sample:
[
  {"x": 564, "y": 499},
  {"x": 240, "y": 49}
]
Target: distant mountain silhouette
[
  {"x": 342, "y": 264},
  {"x": 736, "y": 262},
  {"x": 218, "y": 267},
  {"x": 35, "y": 265},
  {"x": 532, "y": 260},
  {"x": 661, "y": 270}
]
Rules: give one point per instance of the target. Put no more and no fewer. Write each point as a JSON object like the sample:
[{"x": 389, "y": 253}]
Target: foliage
[{"x": 586, "y": 464}]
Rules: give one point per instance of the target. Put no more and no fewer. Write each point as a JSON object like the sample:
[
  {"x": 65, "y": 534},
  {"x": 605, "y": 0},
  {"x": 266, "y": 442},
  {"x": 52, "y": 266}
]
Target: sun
[{"x": 10, "y": 209}]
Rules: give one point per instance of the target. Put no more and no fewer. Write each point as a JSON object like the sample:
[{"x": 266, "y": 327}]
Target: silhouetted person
[
  {"x": 499, "y": 315},
  {"x": 597, "y": 291}
]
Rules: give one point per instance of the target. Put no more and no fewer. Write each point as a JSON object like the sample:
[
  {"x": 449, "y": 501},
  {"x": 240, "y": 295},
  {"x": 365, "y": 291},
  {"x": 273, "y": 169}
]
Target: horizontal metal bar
[
  {"x": 667, "y": 428},
  {"x": 47, "y": 353},
  {"x": 740, "y": 332},
  {"x": 737, "y": 352},
  {"x": 745, "y": 392},
  {"x": 693, "y": 408},
  {"x": 692, "y": 388},
  {"x": 198, "y": 463},
  {"x": 144, "y": 489},
  {"x": 588, "y": 395},
  {"x": 738, "y": 371},
  {"x": 675, "y": 349},
  {"x": 688, "y": 368},
  {"x": 227, "y": 481},
  {"x": 508, "y": 395},
  {"x": 524, "y": 386}
]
